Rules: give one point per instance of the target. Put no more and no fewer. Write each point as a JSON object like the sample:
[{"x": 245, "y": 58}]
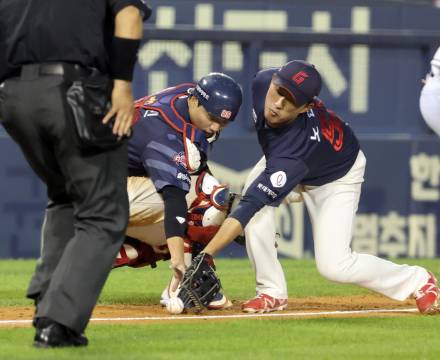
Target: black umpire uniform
[{"x": 45, "y": 47}]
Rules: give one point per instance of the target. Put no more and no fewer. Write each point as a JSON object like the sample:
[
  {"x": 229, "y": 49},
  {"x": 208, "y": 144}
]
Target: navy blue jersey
[
  {"x": 314, "y": 149},
  {"x": 156, "y": 148}
]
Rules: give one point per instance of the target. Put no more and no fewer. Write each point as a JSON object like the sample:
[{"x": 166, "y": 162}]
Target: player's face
[
  {"x": 202, "y": 120},
  {"x": 279, "y": 107}
]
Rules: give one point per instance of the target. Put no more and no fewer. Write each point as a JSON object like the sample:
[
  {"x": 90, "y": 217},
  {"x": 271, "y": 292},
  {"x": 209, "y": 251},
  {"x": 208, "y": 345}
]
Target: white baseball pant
[
  {"x": 430, "y": 103},
  {"x": 332, "y": 208},
  {"x": 146, "y": 221}
]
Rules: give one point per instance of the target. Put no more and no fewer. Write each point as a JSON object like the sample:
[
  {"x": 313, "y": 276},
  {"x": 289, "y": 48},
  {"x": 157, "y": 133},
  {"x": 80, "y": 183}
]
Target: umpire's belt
[{"x": 69, "y": 71}]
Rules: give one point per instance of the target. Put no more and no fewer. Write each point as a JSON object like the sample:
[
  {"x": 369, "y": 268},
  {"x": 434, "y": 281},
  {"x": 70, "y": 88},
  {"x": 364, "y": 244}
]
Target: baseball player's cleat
[
  {"x": 264, "y": 303},
  {"x": 52, "y": 334},
  {"x": 427, "y": 297},
  {"x": 220, "y": 302}
]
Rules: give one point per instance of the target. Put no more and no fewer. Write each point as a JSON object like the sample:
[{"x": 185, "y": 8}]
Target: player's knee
[
  {"x": 335, "y": 275},
  {"x": 336, "y": 269}
]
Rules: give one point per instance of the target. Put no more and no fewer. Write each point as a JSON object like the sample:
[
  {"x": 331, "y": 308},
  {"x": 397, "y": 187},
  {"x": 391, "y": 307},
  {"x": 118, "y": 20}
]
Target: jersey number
[{"x": 331, "y": 128}]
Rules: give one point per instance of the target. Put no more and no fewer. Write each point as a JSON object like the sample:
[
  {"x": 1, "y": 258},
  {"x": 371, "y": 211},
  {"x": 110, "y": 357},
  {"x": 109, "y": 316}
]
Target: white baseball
[{"x": 175, "y": 305}]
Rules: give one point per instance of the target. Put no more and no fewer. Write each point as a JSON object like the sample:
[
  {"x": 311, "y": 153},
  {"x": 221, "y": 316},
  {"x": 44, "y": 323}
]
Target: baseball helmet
[{"x": 219, "y": 94}]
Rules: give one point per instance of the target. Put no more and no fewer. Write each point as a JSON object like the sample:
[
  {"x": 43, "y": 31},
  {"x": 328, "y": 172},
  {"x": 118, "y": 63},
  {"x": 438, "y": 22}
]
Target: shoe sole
[
  {"x": 222, "y": 304},
  {"x": 262, "y": 311},
  {"x": 43, "y": 345},
  {"x": 433, "y": 310},
  {"x": 40, "y": 345}
]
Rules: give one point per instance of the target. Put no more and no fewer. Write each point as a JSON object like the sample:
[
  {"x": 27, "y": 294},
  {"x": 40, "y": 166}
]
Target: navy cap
[{"x": 300, "y": 79}]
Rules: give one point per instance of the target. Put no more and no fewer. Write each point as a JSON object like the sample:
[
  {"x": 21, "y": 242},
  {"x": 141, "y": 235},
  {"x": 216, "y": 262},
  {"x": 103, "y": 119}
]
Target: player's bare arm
[
  {"x": 229, "y": 230},
  {"x": 128, "y": 31},
  {"x": 175, "y": 246}
]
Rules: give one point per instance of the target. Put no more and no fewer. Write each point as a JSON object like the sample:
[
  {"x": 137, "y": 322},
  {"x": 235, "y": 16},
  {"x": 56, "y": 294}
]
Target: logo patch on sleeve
[
  {"x": 150, "y": 100},
  {"x": 278, "y": 179},
  {"x": 181, "y": 220},
  {"x": 180, "y": 159}
]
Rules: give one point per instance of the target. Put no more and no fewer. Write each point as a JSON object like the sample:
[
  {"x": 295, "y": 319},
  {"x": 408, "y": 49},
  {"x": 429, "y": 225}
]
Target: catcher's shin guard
[{"x": 134, "y": 253}]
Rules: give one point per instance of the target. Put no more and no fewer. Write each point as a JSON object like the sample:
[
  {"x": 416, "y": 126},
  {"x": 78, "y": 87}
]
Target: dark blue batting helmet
[{"x": 219, "y": 94}]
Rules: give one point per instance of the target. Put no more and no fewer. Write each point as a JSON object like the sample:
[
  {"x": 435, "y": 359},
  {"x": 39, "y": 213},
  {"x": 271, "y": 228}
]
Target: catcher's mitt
[{"x": 200, "y": 284}]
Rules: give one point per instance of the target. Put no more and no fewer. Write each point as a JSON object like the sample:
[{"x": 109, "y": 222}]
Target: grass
[
  {"x": 335, "y": 338},
  {"x": 362, "y": 338}
]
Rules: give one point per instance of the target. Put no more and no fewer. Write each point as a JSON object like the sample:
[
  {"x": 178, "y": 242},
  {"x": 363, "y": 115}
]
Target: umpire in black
[{"x": 66, "y": 99}]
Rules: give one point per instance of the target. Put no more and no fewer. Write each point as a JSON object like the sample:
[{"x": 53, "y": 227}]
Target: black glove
[{"x": 200, "y": 284}]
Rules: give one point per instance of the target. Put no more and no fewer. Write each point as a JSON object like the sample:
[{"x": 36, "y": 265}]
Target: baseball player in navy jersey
[
  {"x": 309, "y": 155},
  {"x": 430, "y": 95},
  {"x": 171, "y": 137}
]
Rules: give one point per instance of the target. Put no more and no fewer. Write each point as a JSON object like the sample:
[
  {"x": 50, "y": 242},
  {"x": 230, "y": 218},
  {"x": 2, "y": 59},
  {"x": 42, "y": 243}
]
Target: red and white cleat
[
  {"x": 264, "y": 303},
  {"x": 427, "y": 297}
]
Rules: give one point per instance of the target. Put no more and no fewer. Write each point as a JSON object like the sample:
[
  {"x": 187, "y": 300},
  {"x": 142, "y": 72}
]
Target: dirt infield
[{"x": 355, "y": 306}]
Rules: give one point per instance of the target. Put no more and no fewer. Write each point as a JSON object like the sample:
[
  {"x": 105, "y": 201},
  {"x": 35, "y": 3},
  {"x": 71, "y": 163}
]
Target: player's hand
[
  {"x": 178, "y": 273},
  {"x": 122, "y": 108}
]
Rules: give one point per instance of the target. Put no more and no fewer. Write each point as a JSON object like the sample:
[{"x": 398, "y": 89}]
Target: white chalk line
[{"x": 234, "y": 316}]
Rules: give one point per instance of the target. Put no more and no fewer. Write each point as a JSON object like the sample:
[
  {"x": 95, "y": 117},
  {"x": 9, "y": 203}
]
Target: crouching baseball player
[
  {"x": 145, "y": 243},
  {"x": 308, "y": 148},
  {"x": 172, "y": 133}
]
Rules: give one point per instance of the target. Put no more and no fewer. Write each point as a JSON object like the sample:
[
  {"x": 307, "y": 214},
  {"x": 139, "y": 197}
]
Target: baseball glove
[{"x": 200, "y": 284}]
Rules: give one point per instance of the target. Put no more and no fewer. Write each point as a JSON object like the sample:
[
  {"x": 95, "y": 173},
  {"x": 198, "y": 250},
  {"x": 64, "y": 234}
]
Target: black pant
[{"x": 87, "y": 212}]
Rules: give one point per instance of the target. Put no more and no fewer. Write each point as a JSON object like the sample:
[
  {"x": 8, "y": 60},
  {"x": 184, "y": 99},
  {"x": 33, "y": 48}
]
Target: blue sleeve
[
  {"x": 246, "y": 209},
  {"x": 270, "y": 187}
]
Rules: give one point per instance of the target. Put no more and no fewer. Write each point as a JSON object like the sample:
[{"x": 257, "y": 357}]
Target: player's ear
[
  {"x": 193, "y": 101},
  {"x": 306, "y": 107},
  {"x": 309, "y": 106}
]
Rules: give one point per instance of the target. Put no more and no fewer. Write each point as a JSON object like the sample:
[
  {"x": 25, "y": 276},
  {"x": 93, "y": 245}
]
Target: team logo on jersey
[
  {"x": 150, "y": 100},
  {"x": 150, "y": 113},
  {"x": 184, "y": 177},
  {"x": 180, "y": 159},
  {"x": 278, "y": 179}
]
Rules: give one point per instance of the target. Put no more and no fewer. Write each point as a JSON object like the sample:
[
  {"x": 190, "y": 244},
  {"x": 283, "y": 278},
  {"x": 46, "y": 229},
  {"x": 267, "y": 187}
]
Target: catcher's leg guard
[{"x": 134, "y": 253}]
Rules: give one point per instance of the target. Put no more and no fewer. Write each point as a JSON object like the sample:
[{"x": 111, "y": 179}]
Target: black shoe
[{"x": 52, "y": 334}]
